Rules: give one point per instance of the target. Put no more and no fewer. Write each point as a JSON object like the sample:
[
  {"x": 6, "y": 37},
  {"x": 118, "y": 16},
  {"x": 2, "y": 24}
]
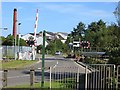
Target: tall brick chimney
[{"x": 15, "y": 22}]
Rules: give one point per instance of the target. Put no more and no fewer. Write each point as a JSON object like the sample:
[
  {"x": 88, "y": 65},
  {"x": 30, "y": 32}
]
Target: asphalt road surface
[{"x": 22, "y": 76}]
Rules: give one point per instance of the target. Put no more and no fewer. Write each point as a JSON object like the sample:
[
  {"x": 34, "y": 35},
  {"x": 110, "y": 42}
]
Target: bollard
[
  {"x": 5, "y": 78},
  {"x": 31, "y": 78}
]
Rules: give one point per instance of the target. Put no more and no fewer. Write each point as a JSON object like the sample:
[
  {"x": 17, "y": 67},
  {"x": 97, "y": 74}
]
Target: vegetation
[
  {"x": 56, "y": 45},
  {"x": 16, "y": 63},
  {"x": 100, "y": 35},
  {"x": 37, "y": 85},
  {"x": 65, "y": 83},
  {"x": 9, "y": 41}
]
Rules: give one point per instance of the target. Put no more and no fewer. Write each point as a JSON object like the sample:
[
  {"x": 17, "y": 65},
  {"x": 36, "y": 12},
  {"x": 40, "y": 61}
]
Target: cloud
[
  {"x": 78, "y": 9},
  {"x": 60, "y": 0}
]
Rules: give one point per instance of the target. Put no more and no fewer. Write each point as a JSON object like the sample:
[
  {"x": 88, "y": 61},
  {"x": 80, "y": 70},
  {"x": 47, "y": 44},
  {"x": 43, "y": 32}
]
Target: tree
[
  {"x": 9, "y": 41},
  {"x": 2, "y": 39},
  {"x": 55, "y": 45},
  {"x": 117, "y": 13},
  {"x": 96, "y": 33}
]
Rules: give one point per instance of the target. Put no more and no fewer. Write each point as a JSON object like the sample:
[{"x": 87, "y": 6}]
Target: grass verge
[
  {"x": 38, "y": 85},
  {"x": 17, "y": 63},
  {"x": 65, "y": 83}
]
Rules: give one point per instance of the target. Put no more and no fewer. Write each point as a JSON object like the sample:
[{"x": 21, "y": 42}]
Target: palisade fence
[
  {"x": 95, "y": 76},
  {"x": 10, "y": 51}
]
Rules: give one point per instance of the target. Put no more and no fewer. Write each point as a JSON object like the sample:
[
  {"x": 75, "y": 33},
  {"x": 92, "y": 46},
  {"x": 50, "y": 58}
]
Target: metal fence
[
  {"x": 64, "y": 77},
  {"x": 118, "y": 77},
  {"x": 101, "y": 76},
  {"x": 95, "y": 76},
  {"x": 10, "y": 51}
]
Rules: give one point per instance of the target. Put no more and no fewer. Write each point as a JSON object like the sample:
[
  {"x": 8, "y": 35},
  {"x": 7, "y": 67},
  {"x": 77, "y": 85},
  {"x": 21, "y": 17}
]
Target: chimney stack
[{"x": 15, "y": 23}]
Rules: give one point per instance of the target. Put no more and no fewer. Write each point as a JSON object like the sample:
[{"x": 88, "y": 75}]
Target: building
[{"x": 49, "y": 37}]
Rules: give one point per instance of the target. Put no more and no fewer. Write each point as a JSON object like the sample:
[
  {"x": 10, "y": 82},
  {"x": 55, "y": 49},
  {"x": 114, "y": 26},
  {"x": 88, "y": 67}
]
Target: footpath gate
[{"x": 95, "y": 76}]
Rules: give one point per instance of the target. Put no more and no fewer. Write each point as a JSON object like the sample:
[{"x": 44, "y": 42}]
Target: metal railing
[
  {"x": 101, "y": 76},
  {"x": 95, "y": 76},
  {"x": 118, "y": 77},
  {"x": 64, "y": 77}
]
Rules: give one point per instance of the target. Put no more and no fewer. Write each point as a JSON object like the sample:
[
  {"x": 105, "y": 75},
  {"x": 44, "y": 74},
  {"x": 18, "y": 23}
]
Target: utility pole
[{"x": 43, "y": 58}]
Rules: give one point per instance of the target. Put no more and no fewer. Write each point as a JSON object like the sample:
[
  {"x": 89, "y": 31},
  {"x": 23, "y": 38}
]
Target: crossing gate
[{"x": 95, "y": 76}]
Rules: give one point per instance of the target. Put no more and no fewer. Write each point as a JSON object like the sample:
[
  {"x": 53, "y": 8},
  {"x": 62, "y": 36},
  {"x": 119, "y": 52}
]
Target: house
[
  {"x": 39, "y": 39},
  {"x": 49, "y": 37}
]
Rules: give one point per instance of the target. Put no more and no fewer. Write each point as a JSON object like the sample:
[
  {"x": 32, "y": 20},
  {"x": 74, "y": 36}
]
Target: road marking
[
  {"x": 55, "y": 65},
  {"x": 80, "y": 66},
  {"x": 39, "y": 61},
  {"x": 57, "y": 62},
  {"x": 19, "y": 76}
]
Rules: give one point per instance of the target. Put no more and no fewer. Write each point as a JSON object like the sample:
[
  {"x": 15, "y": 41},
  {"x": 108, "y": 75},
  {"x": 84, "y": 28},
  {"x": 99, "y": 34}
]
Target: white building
[{"x": 39, "y": 39}]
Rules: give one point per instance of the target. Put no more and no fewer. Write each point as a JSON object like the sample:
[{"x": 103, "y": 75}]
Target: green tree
[
  {"x": 96, "y": 34},
  {"x": 55, "y": 45},
  {"x": 2, "y": 39},
  {"x": 9, "y": 41}
]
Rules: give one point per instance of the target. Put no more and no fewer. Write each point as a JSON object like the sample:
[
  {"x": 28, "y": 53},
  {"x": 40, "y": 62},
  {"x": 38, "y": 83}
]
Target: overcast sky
[{"x": 55, "y": 16}]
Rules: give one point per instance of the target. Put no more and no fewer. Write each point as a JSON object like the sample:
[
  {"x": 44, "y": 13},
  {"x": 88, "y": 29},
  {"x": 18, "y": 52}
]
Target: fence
[
  {"x": 101, "y": 76},
  {"x": 96, "y": 76},
  {"x": 10, "y": 51},
  {"x": 64, "y": 77},
  {"x": 118, "y": 77}
]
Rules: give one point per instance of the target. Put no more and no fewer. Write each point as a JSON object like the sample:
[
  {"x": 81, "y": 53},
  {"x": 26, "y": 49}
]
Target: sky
[{"x": 55, "y": 16}]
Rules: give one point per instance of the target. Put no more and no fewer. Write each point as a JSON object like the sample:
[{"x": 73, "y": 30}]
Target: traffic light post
[{"x": 43, "y": 58}]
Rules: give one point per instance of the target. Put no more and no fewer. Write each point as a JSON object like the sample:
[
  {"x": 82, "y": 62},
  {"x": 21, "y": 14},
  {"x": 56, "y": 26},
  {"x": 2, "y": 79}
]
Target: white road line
[
  {"x": 19, "y": 76},
  {"x": 57, "y": 62},
  {"x": 39, "y": 61},
  {"x": 81, "y": 66},
  {"x": 55, "y": 65},
  {"x": 39, "y": 68}
]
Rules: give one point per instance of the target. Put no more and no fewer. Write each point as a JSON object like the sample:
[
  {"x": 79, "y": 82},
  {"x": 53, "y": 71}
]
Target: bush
[
  {"x": 88, "y": 60},
  {"x": 114, "y": 60}
]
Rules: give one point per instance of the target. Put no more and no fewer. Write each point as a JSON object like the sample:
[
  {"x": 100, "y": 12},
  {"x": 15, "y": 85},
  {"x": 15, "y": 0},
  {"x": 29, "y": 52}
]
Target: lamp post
[
  {"x": 4, "y": 28},
  {"x": 19, "y": 37}
]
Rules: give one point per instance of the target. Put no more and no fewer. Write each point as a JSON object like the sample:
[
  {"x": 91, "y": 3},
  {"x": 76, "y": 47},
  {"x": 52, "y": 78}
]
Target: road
[{"x": 22, "y": 76}]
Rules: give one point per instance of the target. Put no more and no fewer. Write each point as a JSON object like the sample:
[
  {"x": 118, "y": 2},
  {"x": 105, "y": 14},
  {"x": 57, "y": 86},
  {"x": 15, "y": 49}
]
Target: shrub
[{"x": 114, "y": 60}]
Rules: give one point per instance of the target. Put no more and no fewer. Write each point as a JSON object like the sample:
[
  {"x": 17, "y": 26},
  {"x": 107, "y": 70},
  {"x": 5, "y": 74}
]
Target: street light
[
  {"x": 4, "y": 28},
  {"x": 18, "y": 36}
]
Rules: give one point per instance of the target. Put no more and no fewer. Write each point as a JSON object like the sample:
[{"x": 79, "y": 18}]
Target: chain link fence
[{"x": 11, "y": 51}]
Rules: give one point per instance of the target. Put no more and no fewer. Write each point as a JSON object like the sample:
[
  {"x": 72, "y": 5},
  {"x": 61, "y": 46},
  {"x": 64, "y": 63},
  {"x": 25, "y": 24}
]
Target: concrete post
[
  {"x": 5, "y": 78},
  {"x": 31, "y": 78}
]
